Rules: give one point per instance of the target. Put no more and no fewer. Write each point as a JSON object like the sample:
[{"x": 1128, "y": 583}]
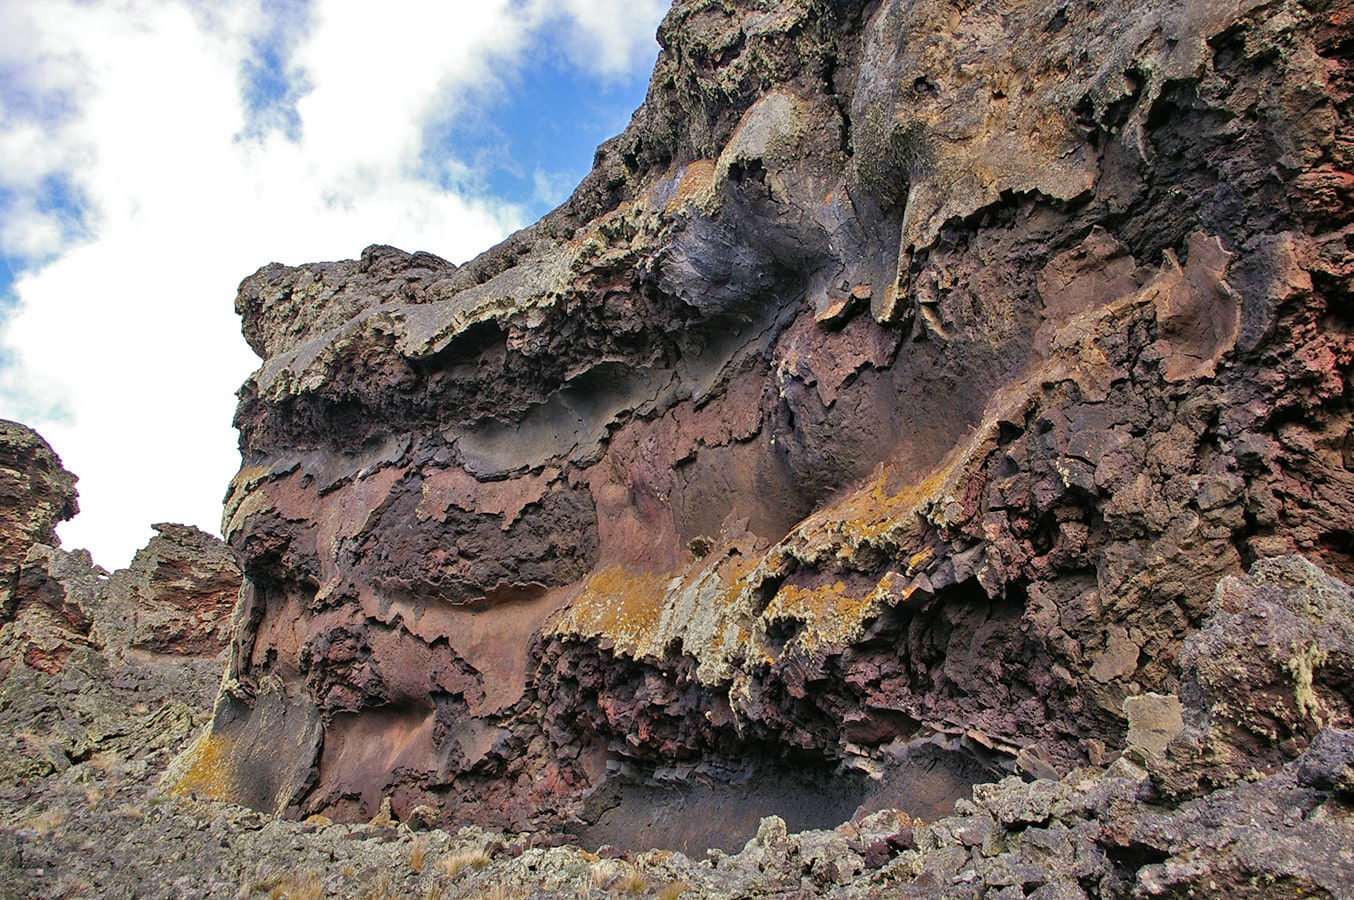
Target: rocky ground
[
  {"x": 98, "y": 831},
  {"x": 95, "y": 826}
]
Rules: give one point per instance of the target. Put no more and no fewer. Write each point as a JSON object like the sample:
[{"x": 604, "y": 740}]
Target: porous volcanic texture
[
  {"x": 885, "y": 405},
  {"x": 89, "y": 825}
]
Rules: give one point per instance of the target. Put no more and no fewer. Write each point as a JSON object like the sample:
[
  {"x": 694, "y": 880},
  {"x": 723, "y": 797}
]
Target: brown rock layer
[
  {"x": 176, "y": 598},
  {"x": 902, "y": 381}
]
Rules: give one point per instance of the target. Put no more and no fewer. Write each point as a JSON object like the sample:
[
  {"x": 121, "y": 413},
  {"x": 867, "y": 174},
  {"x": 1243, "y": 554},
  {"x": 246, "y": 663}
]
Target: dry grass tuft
[
  {"x": 106, "y": 762},
  {"x": 380, "y": 889},
  {"x": 452, "y": 865},
  {"x": 633, "y": 882},
  {"x": 306, "y": 886},
  {"x": 674, "y": 890},
  {"x": 47, "y": 821},
  {"x": 500, "y": 892},
  {"x": 418, "y": 854},
  {"x": 127, "y": 811}
]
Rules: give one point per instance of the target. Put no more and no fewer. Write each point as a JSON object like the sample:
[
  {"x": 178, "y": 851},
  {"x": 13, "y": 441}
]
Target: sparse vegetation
[
  {"x": 306, "y": 886},
  {"x": 673, "y": 891},
  {"x": 380, "y": 889},
  {"x": 452, "y": 865},
  {"x": 633, "y": 882},
  {"x": 47, "y": 821},
  {"x": 500, "y": 892},
  {"x": 106, "y": 762},
  {"x": 418, "y": 854}
]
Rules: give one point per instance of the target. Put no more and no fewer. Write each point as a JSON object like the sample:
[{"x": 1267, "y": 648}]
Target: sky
[{"x": 153, "y": 153}]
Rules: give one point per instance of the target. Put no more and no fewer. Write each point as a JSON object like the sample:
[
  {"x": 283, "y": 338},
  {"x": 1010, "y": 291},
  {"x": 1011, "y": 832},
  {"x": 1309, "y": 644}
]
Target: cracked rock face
[
  {"x": 96, "y": 666},
  {"x": 897, "y": 387},
  {"x": 36, "y": 494}
]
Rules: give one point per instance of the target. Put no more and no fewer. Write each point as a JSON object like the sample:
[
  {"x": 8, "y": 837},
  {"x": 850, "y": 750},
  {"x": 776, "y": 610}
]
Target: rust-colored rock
[
  {"x": 897, "y": 388},
  {"x": 176, "y": 598}
]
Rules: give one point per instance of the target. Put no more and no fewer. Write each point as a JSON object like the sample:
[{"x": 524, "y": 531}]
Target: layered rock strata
[
  {"x": 92, "y": 829},
  {"x": 894, "y": 391}
]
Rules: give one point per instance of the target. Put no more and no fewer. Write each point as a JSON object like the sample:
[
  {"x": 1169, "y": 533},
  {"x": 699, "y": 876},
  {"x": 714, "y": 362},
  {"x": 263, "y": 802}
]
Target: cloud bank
[{"x": 154, "y": 152}]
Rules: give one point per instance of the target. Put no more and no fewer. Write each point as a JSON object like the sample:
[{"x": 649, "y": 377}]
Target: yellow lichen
[
  {"x": 204, "y": 771},
  {"x": 622, "y": 605},
  {"x": 830, "y": 613},
  {"x": 1302, "y": 667}
]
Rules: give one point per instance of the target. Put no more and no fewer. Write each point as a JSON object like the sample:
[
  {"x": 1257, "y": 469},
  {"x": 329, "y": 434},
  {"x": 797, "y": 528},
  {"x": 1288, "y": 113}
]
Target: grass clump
[
  {"x": 633, "y": 882},
  {"x": 418, "y": 854},
  {"x": 452, "y": 865},
  {"x": 47, "y": 821},
  {"x": 306, "y": 886}
]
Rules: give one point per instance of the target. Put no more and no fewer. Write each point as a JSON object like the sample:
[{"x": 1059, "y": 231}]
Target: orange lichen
[{"x": 694, "y": 184}]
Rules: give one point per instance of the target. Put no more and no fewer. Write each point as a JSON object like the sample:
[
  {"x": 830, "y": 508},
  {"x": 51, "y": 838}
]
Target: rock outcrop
[
  {"x": 92, "y": 829},
  {"x": 881, "y": 412},
  {"x": 94, "y": 665},
  {"x": 36, "y": 494}
]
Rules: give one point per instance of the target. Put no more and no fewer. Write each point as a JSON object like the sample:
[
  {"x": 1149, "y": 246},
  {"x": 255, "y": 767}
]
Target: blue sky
[
  {"x": 520, "y": 148},
  {"x": 155, "y": 152}
]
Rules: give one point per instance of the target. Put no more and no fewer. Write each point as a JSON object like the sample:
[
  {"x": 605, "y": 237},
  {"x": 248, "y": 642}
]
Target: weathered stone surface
[
  {"x": 93, "y": 665},
  {"x": 1272, "y": 666},
  {"x": 175, "y": 598},
  {"x": 1153, "y": 721},
  {"x": 36, "y": 494},
  {"x": 906, "y": 376},
  {"x": 53, "y": 600}
]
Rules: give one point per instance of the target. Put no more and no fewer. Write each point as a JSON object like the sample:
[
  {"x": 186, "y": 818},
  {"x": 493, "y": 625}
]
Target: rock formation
[
  {"x": 36, "y": 493},
  {"x": 91, "y": 663},
  {"x": 880, "y": 413}
]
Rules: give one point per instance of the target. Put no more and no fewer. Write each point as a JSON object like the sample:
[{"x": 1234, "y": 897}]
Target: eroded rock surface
[
  {"x": 36, "y": 494},
  {"x": 94, "y": 666},
  {"x": 92, "y": 828},
  {"x": 897, "y": 387}
]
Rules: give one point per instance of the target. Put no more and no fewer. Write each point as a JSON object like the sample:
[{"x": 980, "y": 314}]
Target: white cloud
[
  {"x": 125, "y": 350},
  {"x": 606, "y": 37}
]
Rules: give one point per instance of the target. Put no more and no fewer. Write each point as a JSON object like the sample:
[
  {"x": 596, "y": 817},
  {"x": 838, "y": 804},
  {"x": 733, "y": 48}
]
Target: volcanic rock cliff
[{"x": 875, "y": 419}]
